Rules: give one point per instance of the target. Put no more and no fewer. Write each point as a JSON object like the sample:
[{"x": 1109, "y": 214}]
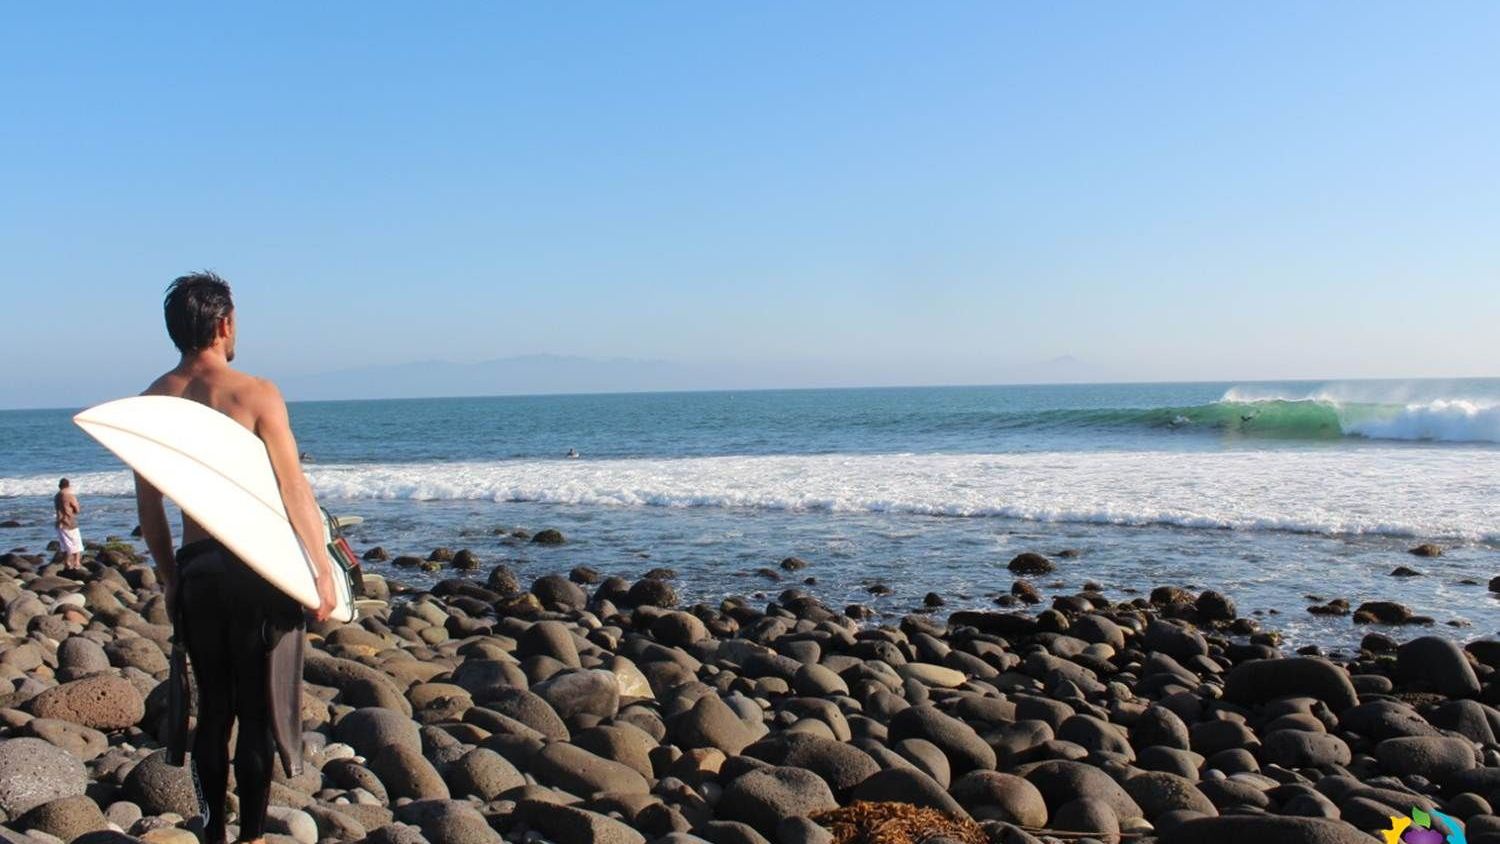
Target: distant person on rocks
[
  {"x": 69, "y": 540},
  {"x": 243, "y": 636}
]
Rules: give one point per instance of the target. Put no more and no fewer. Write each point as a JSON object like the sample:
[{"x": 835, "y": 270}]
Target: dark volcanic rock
[
  {"x": 1061, "y": 781},
  {"x": 548, "y": 536},
  {"x": 1437, "y": 664},
  {"x": 965, "y": 750},
  {"x": 1030, "y": 563},
  {"x": 33, "y": 772},
  {"x": 764, "y": 797},
  {"x": 1261, "y": 680}
]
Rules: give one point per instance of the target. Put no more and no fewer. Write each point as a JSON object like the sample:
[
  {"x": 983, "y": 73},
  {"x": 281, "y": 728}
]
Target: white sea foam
[{"x": 1437, "y": 493}]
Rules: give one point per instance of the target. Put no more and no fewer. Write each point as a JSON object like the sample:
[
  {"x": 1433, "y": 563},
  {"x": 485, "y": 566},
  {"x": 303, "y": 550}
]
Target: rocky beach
[{"x": 582, "y": 707}]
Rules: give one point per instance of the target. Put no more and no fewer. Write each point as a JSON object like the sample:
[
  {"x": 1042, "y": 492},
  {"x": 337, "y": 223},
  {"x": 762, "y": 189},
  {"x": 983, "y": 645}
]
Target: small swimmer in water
[
  {"x": 573, "y": 454},
  {"x": 306, "y": 458}
]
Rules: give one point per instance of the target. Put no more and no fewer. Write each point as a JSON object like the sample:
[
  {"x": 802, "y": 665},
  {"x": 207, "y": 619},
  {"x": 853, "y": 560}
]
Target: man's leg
[
  {"x": 206, "y": 620},
  {"x": 254, "y": 750}
]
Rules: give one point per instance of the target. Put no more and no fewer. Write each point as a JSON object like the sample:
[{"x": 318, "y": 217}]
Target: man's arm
[
  {"x": 274, "y": 428},
  {"x": 157, "y": 532}
]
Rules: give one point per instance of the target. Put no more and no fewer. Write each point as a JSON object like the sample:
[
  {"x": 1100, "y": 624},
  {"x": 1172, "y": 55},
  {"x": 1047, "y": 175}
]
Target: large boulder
[
  {"x": 371, "y": 729},
  {"x": 582, "y": 692},
  {"x": 407, "y": 773},
  {"x": 711, "y": 723},
  {"x": 578, "y": 771},
  {"x": 33, "y": 772},
  {"x": 842, "y": 766},
  {"x": 100, "y": 701},
  {"x": 1261, "y": 680},
  {"x": 1159, "y": 792},
  {"x": 993, "y": 796},
  {"x": 482, "y": 773},
  {"x": 1436, "y": 758},
  {"x": 763, "y": 798},
  {"x": 1437, "y": 664},
  {"x": 159, "y": 788},
  {"x": 965, "y": 750},
  {"x": 67, "y": 817},
  {"x": 1061, "y": 781}
]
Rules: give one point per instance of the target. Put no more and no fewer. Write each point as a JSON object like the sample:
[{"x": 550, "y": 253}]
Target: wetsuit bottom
[{"x": 224, "y": 609}]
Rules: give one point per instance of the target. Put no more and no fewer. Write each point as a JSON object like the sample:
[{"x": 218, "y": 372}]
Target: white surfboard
[{"x": 218, "y": 472}]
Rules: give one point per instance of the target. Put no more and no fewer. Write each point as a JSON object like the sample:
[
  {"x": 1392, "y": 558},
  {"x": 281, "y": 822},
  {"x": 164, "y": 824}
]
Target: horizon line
[{"x": 949, "y": 386}]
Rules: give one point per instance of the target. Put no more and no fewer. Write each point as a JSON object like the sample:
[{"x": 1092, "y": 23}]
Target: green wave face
[{"x": 1305, "y": 419}]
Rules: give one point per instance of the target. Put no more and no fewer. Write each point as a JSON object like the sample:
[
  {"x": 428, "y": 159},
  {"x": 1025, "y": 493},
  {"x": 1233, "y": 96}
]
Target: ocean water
[{"x": 1272, "y": 492}]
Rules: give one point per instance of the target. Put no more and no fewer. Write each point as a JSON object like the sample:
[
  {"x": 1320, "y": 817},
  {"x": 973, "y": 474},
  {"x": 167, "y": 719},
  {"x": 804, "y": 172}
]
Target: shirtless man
[
  {"x": 69, "y": 541},
  {"x": 231, "y": 619}
]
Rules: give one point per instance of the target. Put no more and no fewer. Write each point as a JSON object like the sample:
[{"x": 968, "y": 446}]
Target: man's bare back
[{"x": 242, "y": 397}]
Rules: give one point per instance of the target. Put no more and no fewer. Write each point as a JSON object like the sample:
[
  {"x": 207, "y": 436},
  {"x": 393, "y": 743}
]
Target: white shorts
[{"x": 70, "y": 540}]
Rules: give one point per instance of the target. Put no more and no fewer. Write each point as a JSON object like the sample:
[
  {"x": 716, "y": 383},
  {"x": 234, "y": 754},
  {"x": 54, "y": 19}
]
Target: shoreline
[{"x": 580, "y": 707}]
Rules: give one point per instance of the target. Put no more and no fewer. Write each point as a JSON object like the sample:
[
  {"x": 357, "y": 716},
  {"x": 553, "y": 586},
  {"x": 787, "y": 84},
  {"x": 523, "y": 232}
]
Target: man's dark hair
[
  {"x": 63, "y": 484},
  {"x": 194, "y": 305}
]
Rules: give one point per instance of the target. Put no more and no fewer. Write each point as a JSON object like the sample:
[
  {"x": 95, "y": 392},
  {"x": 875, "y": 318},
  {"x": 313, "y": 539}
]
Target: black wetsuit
[{"x": 230, "y": 619}]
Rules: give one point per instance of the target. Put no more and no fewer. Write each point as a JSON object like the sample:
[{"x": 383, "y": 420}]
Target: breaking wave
[{"x": 1432, "y": 493}]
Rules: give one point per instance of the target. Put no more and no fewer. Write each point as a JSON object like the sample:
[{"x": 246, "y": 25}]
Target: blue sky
[{"x": 784, "y": 194}]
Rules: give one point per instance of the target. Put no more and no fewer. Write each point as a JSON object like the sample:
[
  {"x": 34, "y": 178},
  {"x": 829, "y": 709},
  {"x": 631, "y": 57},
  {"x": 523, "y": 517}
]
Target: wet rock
[
  {"x": 1382, "y": 612},
  {"x": 1427, "y": 549},
  {"x": 376, "y": 554},
  {"x": 1030, "y": 563},
  {"x": 651, "y": 592},
  {"x": 1403, "y": 571},
  {"x": 1214, "y": 606},
  {"x": 548, "y": 536}
]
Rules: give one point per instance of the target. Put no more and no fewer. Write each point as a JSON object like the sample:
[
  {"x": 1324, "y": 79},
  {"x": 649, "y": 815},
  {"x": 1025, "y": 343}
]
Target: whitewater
[{"x": 1431, "y": 494}]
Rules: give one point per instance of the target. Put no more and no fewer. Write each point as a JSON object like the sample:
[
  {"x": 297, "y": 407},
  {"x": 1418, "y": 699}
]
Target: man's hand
[{"x": 327, "y": 597}]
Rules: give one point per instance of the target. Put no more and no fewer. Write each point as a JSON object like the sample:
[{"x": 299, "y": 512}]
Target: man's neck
[{"x": 202, "y": 360}]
